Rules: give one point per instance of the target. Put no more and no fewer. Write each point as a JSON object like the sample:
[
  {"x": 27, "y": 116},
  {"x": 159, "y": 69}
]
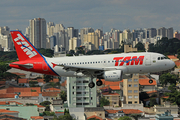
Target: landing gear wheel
[
  {"x": 150, "y": 81},
  {"x": 99, "y": 83},
  {"x": 91, "y": 84}
]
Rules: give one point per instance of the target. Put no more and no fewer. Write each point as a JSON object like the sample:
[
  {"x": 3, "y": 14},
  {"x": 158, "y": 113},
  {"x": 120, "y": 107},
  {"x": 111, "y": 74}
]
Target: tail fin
[{"x": 25, "y": 50}]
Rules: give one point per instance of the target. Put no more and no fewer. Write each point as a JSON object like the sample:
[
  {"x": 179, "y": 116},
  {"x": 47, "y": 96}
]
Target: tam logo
[
  {"x": 119, "y": 61},
  {"x": 25, "y": 46}
]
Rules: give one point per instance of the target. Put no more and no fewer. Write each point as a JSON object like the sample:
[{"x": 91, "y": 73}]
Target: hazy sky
[{"x": 106, "y": 14}]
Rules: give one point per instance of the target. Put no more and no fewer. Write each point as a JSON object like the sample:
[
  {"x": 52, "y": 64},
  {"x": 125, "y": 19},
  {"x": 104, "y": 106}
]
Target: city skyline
[{"x": 96, "y": 14}]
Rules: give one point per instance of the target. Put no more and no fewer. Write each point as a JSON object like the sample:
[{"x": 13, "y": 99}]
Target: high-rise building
[
  {"x": 125, "y": 36},
  {"x": 70, "y": 31},
  {"x": 176, "y": 35},
  {"x": 59, "y": 28},
  {"x": 5, "y": 39},
  {"x": 38, "y": 32},
  {"x": 161, "y": 32},
  {"x": 85, "y": 31},
  {"x": 150, "y": 32},
  {"x": 79, "y": 94},
  {"x": 50, "y": 29},
  {"x": 93, "y": 38},
  {"x": 169, "y": 33},
  {"x": 73, "y": 43}
]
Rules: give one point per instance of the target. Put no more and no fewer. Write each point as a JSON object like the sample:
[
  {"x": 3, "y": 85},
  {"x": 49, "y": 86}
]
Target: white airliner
[{"x": 111, "y": 67}]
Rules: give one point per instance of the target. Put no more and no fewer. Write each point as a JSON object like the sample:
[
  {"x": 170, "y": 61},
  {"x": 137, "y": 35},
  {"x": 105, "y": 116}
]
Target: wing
[{"x": 84, "y": 70}]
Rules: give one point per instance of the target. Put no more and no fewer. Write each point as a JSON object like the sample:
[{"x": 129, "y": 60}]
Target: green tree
[
  {"x": 46, "y": 104},
  {"x": 125, "y": 118},
  {"x": 48, "y": 78},
  {"x": 48, "y": 113},
  {"x": 168, "y": 78},
  {"x": 136, "y": 116},
  {"x": 63, "y": 95},
  {"x": 152, "y": 102},
  {"x": 104, "y": 102},
  {"x": 140, "y": 47},
  {"x": 65, "y": 117},
  {"x": 173, "y": 96}
]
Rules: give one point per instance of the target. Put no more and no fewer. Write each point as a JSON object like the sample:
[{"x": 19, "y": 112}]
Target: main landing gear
[
  {"x": 150, "y": 78},
  {"x": 92, "y": 84}
]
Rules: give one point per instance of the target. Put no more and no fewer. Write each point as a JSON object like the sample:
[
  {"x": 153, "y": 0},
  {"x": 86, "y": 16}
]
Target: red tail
[{"x": 25, "y": 50}]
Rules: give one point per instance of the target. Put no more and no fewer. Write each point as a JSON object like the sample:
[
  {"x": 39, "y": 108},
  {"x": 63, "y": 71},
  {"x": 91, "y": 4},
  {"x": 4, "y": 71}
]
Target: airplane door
[{"x": 148, "y": 60}]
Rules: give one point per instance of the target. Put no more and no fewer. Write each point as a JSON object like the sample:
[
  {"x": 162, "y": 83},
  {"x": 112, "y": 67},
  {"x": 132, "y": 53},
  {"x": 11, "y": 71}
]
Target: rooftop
[
  {"x": 125, "y": 111},
  {"x": 146, "y": 82}
]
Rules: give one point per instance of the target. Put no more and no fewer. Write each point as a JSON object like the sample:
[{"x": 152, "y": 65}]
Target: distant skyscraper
[
  {"x": 38, "y": 32},
  {"x": 93, "y": 38},
  {"x": 5, "y": 39},
  {"x": 161, "y": 32},
  {"x": 59, "y": 28},
  {"x": 84, "y": 31},
  {"x": 176, "y": 35},
  {"x": 150, "y": 32},
  {"x": 169, "y": 33},
  {"x": 50, "y": 29},
  {"x": 73, "y": 43},
  {"x": 70, "y": 31}
]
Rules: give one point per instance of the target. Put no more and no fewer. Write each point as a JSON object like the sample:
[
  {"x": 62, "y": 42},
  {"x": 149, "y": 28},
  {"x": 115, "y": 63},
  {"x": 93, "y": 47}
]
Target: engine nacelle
[{"x": 113, "y": 75}]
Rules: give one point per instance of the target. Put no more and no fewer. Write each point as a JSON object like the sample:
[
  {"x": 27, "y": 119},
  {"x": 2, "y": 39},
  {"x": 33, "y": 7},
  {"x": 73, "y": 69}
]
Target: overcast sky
[{"x": 106, "y": 14}]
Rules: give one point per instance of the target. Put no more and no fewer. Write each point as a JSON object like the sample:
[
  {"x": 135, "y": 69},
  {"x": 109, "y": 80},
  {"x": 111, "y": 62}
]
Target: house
[
  {"x": 172, "y": 57},
  {"x": 41, "y": 82},
  {"x": 59, "y": 113},
  {"x": 115, "y": 114},
  {"x": 97, "y": 111},
  {"x": 10, "y": 117},
  {"x": 95, "y": 117},
  {"x": 57, "y": 105},
  {"x": 9, "y": 112},
  {"x": 112, "y": 97},
  {"x": 23, "y": 82},
  {"x": 146, "y": 86},
  {"x": 41, "y": 108},
  {"x": 47, "y": 96},
  {"x": 29, "y": 95},
  {"x": 52, "y": 90},
  {"x": 21, "y": 75},
  {"x": 177, "y": 62},
  {"x": 37, "y": 118}
]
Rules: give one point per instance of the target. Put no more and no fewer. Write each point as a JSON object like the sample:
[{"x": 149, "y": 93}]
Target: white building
[{"x": 38, "y": 32}]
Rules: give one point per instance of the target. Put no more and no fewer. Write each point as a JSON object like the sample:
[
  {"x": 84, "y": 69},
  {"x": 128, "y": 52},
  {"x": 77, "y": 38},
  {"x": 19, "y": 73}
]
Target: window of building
[
  {"x": 114, "y": 102},
  {"x": 135, "y": 101},
  {"x": 135, "y": 91},
  {"x": 130, "y": 96},
  {"x": 135, "y": 85},
  {"x": 129, "y": 91},
  {"x": 130, "y": 102},
  {"x": 129, "y": 85},
  {"x": 78, "y": 92},
  {"x": 135, "y": 80},
  {"x": 107, "y": 97},
  {"x": 135, "y": 96},
  {"x": 129, "y": 80}
]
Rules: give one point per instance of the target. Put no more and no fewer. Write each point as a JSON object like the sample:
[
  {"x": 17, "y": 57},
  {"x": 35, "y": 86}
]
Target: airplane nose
[{"x": 172, "y": 64}]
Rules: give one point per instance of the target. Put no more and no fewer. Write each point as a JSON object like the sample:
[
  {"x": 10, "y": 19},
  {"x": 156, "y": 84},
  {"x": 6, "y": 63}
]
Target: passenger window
[
  {"x": 99, "y": 62},
  {"x": 108, "y": 61},
  {"x": 69, "y": 63}
]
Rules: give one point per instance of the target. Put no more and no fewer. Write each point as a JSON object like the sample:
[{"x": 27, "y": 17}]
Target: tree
[
  {"x": 104, "y": 102},
  {"x": 65, "y": 117},
  {"x": 48, "y": 78},
  {"x": 173, "y": 96},
  {"x": 152, "y": 102},
  {"x": 125, "y": 118},
  {"x": 140, "y": 47},
  {"x": 63, "y": 95},
  {"x": 46, "y": 104},
  {"x": 136, "y": 116},
  {"x": 168, "y": 78},
  {"x": 48, "y": 113}
]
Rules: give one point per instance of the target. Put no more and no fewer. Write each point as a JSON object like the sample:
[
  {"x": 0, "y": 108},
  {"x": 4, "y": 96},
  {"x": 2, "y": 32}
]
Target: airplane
[{"x": 111, "y": 67}]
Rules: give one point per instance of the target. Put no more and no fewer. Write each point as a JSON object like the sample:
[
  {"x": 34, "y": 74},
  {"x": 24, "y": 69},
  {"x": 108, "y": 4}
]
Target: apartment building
[
  {"x": 131, "y": 90},
  {"x": 79, "y": 94}
]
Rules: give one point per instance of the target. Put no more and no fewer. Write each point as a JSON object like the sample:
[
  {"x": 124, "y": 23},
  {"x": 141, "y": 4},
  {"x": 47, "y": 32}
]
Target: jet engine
[{"x": 113, "y": 75}]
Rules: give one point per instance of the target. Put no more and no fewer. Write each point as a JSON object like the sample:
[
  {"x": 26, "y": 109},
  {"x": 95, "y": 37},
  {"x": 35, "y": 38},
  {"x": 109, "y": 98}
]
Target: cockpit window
[
  {"x": 159, "y": 58},
  {"x": 162, "y": 58}
]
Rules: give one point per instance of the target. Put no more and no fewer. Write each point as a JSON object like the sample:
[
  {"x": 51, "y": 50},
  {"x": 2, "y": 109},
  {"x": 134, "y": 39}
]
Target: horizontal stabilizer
[{"x": 28, "y": 65}]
